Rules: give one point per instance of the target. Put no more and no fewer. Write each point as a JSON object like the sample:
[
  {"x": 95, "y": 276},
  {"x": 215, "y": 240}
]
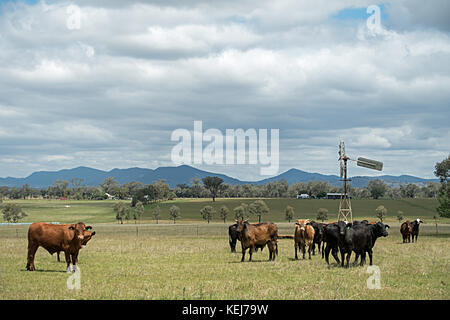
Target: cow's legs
[
  {"x": 363, "y": 258},
  {"x": 314, "y": 249},
  {"x": 326, "y": 254},
  {"x": 32, "y": 248},
  {"x": 57, "y": 255},
  {"x": 342, "y": 258},
  {"x": 356, "y": 258},
  {"x": 271, "y": 251},
  {"x": 75, "y": 261},
  {"x": 309, "y": 252},
  {"x": 250, "y": 252},
  {"x": 296, "y": 248},
  {"x": 67, "y": 255},
  {"x": 334, "y": 254},
  {"x": 303, "y": 250},
  {"x": 348, "y": 259},
  {"x": 243, "y": 254},
  {"x": 370, "y": 255}
]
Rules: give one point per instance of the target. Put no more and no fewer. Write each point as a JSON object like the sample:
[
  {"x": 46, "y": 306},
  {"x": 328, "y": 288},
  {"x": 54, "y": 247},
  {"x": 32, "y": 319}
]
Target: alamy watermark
[
  {"x": 74, "y": 280},
  {"x": 73, "y": 21},
  {"x": 229, "y": 148},
  {"x": 374, "y": 21},
  {"x": 374, "y": 281}
]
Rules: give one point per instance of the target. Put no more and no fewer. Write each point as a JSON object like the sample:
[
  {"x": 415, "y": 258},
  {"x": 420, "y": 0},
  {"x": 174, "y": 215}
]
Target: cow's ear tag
[
  {"x": 348, "y": 227},
  {"x": 387, "y": 228}
]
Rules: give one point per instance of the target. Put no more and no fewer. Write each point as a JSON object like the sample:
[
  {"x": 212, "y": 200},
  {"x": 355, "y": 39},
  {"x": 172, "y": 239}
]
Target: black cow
[
  {"x": 233, "y": 236},
  {"x": 361, "y": 238},
  {"x": 318, "y": 236},
  {"x": 333, "y": 237},
  {"x": 415, "y": 228}
]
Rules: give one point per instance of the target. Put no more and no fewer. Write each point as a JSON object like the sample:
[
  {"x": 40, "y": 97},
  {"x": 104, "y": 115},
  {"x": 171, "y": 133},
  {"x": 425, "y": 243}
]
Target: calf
[
  {"x": 261, "y": 234},
  {"x": 54, "y": 238},
  {"x": 361, "y": 238},
  {"x": 303, "y": 237},
  {"x": 415, "y": 228},
  {"x": 406, "y": 231}
]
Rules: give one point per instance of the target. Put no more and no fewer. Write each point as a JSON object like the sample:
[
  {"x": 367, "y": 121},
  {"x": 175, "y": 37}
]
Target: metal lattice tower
[{"x": 345, "y": 206}]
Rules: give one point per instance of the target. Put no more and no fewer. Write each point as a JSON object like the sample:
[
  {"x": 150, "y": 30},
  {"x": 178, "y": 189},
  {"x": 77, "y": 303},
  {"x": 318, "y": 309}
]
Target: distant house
[
  {"x": 111, "y": 197},
  {"x": 331, "y": 195},
  {"x": 303, "y": 196}
]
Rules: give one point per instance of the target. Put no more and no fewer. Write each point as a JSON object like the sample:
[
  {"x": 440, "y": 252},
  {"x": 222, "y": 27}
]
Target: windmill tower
[{"x": 345, "y": 206}]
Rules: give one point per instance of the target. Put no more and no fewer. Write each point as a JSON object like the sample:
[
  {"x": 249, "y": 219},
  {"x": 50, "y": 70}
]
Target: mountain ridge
[{"x": 184, "y": 173}]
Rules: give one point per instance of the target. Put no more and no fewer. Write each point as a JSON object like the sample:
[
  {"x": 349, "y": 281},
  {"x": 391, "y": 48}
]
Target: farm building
[{"x": 331, "y": 195}]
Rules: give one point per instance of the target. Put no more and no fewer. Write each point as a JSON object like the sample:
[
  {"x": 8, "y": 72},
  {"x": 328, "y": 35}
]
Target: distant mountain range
[{"x": 183, "y": 174}]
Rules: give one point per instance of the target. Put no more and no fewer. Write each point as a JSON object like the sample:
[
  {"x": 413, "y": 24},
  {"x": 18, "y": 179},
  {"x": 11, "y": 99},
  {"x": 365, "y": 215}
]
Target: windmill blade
[{"x": 368, "y": 163}]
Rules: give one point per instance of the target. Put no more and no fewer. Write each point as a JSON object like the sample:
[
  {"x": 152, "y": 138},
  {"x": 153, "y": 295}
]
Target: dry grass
[{"x": 173, "y": 262}]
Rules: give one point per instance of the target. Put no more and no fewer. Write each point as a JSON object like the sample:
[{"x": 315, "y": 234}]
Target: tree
[
  {"x": 442, "y": 171},
  {"x": 224, "y": 212},
  {"x": 110, "y": 186},
  {"x": 207, "y": 213},
  {"x": 12, "y": 212},
  {"x": 400, "y": 216},
  {"x": 322, "y": 214},
  {"x": 213, "y": 184},
  {"x": 239, "y": 212},
  {"x": 377, "y": 188},
  {"x": 258, "y": 208},
  {"x": 174, "y": 213},
  {"x": 289, "y": 213},
  {"x": 381, "y": 212},
  {"x": 409, "y": 191},
  {"x": 122, "y": 211},
  {"x": 157, "y": 214},
  {"x": 162, "y": 189},
  {"x": 138, "y": 211}
]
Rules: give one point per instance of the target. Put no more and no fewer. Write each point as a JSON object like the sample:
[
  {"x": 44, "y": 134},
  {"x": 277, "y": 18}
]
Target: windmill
[{"x": 345, "y": 205}]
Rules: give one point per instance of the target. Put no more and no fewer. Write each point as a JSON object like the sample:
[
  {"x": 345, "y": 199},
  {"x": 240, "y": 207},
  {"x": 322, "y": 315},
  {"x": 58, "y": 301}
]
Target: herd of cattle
[{"x": 344, "y": 237}]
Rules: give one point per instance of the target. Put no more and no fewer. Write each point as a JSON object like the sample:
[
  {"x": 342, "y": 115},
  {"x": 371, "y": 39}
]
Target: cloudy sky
[{"x": 106, "y": 85}]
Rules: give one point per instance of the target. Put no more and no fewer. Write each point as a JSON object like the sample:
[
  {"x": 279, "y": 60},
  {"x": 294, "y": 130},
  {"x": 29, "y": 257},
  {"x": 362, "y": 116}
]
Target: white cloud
[{"x": 134, "y": 72}]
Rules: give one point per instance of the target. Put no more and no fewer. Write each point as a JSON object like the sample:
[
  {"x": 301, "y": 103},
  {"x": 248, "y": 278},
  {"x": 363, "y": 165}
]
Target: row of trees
[{"x": 212, "y": 187}]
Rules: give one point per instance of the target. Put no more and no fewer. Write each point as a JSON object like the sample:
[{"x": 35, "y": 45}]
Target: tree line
[{"x": 212, "y": 187}]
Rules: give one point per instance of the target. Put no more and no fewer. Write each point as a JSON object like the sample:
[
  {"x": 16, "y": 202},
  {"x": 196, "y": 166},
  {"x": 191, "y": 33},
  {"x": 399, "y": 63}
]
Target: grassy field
[
  {"x": 192, "y": 260},
  {"x": 102, "y": 211}
]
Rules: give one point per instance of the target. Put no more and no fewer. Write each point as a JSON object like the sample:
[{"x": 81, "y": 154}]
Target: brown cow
[
  {"x": 88, "y": 234},
  {"x": 303, "y": 237},
  {"x": 260, "y": 234},
  {"x": 406, "y": 230},
  {"x": 54, "y": 238}
]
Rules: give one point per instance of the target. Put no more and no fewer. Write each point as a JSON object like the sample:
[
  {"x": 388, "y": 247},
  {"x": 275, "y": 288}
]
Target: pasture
[
  {"x": 192, "y": 260},
  {"x": 69, "y": 211}
]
